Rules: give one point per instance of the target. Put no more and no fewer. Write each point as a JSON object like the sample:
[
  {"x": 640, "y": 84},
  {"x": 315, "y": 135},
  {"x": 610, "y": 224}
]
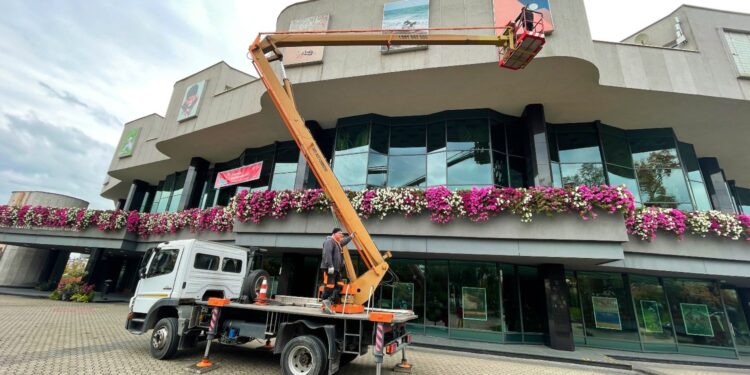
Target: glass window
[
  {"x": 163, "y": 262},
  {"x": 498, "y": 136},
  {"x": 617, "y": 150},
  {"x": 590, "y": 174},
  {"x": 352, "y": 139},
  {"x": 409, "y": 293},
  {"x": 436, "y": 302},
  {"x": 283, "y": 181},
  {"x": 351, "y": 169},
  {"x": 518, "y": 171},
  {"x": 436, "y": 136},
  {"x": 179, "y": 184},
  {"x": 739, "y": 46},
  {"x": 532, "y": 300},
  {"x": 286, "y": 160},
  {"x": 742, "y": 196},
  {"x": 607, "y": 311},
  {"x": 377, "y": 169},
  {"x": 500, "y": 169},
  {"x": 407, "y": 170},
  {"x": 652, "y": 314},
  {"x": 206, "y": 262},
  {"x": 379, "y": 142},
  {"x": 700, "y": 196},
  {"x": 623, "y": 176},
  {"x": 518, "y": 140},
  {"x": 511, "y": 307},
  {"x": 436, "y": 169},
  {"x": 578, "y": 148},
  {"x": 474, "y": 301},
  {"x": 556, "y": 174},
  {"x": 231, "y": 265},
  {"x": 736, "y": 315},
  {"x": 469, "y": 168},
  {"x": 468, "y": 134},
  {"x": 574, "y": 305},
  {"x": 654, "y": 152},
  {"x": 663, "y": 186},
  {"x": 408, "y": 140},
  {"x": 698, "y": 314}
]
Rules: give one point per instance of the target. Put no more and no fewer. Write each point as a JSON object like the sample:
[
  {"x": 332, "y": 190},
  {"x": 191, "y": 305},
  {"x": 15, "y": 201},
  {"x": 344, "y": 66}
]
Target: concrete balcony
[
  {"x": 504, "y": 237},
  {"x": 67, "y": 239}
]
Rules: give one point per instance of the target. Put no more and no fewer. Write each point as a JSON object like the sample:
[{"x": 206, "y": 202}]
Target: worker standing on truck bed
[{"x": 333, "y": 257}]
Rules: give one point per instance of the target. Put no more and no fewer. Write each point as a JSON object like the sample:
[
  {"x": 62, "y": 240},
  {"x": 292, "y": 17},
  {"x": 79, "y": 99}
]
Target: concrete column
[
  {"x": 91, "y": 265},
  {"x": 559, "y": 331},
  {"x": 716, "y": 185},
  {"x": 61, "y": 260},
  {"x": 137, "y": 193},
  {"x": 196, "y": 175},
  {"x": 534, "y": 121},
  {"x": 22, "y": 266}
]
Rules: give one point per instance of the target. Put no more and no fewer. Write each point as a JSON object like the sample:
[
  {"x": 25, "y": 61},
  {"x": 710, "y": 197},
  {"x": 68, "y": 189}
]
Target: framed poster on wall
[
  {"x": 191, "y": 101},
  {"x": 406, "y": 14},
  {"x": 651, "y": 317},
  {"x": 474, "y": 303},
  {"x": 128, "y": 142},
  {"x": 606, "y": 313},
  {"x": 696, "y": 319}
]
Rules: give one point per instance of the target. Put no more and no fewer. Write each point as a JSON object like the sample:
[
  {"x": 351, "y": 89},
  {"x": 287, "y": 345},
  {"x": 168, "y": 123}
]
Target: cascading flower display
[{"x": 440, "y": 203}]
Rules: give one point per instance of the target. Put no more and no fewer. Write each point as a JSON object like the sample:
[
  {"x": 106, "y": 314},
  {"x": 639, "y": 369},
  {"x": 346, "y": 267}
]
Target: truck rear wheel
[
  {"x": 304, "y": 355},
  {"x": 164, "y": 339}
]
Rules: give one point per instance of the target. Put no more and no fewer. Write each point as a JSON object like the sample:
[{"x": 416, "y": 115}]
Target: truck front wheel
[
  {"x": 164, "y": 339},
  {"x": 304, "y": 355}
]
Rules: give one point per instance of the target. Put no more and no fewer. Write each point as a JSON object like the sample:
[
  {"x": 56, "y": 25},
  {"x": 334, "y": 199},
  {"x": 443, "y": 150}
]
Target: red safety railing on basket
[{"x": 528, "y": 29}]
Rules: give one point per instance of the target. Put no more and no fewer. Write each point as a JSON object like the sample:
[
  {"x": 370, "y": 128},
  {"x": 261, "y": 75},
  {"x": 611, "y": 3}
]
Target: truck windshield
[{"x": 163, "y": 263}]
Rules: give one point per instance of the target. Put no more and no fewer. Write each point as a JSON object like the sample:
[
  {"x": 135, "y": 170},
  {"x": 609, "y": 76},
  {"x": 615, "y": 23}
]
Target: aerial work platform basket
[{"x": 528, "y": 29}]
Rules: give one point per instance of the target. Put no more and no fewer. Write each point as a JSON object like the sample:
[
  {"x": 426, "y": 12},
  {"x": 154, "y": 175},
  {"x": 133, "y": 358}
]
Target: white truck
[{"x": 179, "y": 277}]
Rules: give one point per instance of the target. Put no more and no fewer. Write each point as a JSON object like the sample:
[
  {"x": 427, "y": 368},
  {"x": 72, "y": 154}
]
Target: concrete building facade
[{"x": 662, "y": 112}]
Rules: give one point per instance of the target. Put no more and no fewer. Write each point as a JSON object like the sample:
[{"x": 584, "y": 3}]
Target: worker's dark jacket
[{"x": 332, "y": 256}]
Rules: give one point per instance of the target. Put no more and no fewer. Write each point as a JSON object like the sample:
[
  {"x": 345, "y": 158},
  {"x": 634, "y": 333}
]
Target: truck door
[{"x": 158, "y": 279}]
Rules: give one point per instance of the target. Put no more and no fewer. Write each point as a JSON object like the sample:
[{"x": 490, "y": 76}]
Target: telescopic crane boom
[{"x": 520, "y": 41}]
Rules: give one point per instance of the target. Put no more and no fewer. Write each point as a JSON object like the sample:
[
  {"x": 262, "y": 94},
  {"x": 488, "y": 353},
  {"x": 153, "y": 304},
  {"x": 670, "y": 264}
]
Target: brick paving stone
[{"x": 52, "y": 337}]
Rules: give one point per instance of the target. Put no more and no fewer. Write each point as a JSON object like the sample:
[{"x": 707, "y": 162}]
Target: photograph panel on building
[
  {"x": 191, "y": 101},
  {"x": 697, "y": 320},
  {"x": 128, "y": 142},
  {"x": 406, "y": 14},
  {"x": 474, "y": 303}
]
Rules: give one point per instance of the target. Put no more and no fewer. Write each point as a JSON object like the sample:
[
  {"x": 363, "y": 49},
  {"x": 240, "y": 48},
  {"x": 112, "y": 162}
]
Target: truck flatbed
[{"x": 310, "y": 307}]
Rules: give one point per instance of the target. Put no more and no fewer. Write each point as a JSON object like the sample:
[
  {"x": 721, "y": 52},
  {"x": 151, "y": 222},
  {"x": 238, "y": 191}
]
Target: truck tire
[
  {"x": 164, "y": 339},
  {"x": 252, "y": 283},
  {"x": 304, "y": 355}
]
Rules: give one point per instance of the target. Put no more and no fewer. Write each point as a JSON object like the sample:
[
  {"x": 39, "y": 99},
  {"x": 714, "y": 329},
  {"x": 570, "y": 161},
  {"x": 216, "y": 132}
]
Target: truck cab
[{"x": 179, "y": 272}]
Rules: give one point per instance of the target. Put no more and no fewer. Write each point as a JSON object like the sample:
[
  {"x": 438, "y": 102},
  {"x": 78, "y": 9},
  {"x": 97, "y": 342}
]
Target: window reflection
[
  {"x": 352, "y": 139},
  {"x": 351, "y": 169},
  {"x": 407, "y": 170},
  {"x": 468, "y": 134},
  {"x": 408, "y": 140},
  {"x": 654, "y": 152},
  {"x": 590, "y": 174},
  {"x": 436, "y": 171},
  {"x": 663, "y": 186},
  {"x": 469, "y": 167}
]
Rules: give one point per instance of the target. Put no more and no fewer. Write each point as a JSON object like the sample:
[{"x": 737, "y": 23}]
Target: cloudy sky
[{"x": 72, "y": 72}]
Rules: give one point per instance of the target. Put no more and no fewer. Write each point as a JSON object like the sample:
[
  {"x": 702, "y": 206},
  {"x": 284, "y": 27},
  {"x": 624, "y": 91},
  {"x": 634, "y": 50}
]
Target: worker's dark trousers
[{"x": 332, "y": 287}]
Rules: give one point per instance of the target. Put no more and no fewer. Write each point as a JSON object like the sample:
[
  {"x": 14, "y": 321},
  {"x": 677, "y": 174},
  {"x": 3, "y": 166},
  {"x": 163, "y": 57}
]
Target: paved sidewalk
[
  {"x": 31, "y": 292},
  {"x": 41, "y": 336}
]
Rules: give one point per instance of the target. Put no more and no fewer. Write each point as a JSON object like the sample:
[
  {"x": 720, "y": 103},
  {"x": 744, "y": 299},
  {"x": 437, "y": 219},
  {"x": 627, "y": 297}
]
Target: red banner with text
[{"x": 238, "y": 175}]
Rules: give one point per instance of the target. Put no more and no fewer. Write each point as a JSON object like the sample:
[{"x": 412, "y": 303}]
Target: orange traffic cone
[{"x": 262, "y": 299}]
